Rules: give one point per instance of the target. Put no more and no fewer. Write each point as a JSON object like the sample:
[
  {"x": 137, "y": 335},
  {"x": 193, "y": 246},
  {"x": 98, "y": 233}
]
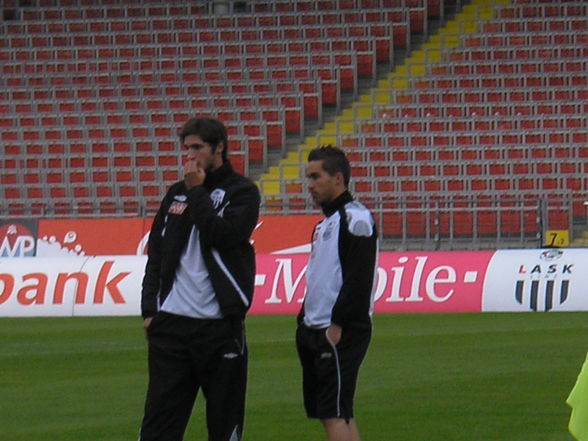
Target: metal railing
[
  {"x": 464, "y": 223},
  {"x": 419, "y": 223}
]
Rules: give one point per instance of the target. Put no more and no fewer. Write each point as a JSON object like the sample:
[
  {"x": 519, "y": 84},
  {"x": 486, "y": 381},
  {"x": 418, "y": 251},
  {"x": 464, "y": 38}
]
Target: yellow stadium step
[{"x": 431, "y": 51}]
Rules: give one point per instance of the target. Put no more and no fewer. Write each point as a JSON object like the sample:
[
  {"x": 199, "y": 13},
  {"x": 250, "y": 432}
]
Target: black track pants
[{"x": 186, "y": 355}]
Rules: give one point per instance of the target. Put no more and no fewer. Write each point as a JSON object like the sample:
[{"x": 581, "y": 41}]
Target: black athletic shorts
[{"x": 329, "y": 372}]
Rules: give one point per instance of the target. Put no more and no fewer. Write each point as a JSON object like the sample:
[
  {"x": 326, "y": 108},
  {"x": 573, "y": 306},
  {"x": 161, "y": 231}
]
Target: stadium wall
[{"x": 94, "y": 267}]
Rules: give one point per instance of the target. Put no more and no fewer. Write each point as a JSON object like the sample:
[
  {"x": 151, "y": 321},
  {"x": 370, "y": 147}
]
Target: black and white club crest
[{"x": 217, "y": 197}]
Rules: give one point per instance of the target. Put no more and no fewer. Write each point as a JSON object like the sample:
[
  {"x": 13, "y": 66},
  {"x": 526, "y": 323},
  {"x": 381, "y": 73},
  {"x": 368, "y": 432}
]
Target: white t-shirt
[{"x": 192, "y": 294}]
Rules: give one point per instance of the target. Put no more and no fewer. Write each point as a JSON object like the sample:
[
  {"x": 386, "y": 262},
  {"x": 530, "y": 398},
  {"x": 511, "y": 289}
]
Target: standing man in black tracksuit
[
  {"x": 197, "y": 288},
  {"x": 334, "y": 325}
]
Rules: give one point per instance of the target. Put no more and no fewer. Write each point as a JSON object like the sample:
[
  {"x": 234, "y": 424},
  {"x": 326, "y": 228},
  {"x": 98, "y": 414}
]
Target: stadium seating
[
  {"x": 109, "y": 81},
  {"x": 463, "y": 140},
  {"x": 499, "y": 113}
]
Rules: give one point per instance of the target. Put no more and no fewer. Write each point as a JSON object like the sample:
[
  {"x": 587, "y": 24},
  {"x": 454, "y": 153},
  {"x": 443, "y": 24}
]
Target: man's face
[
  {"x": 201, "y": 152},
  {"x": 322, "y": 187}
]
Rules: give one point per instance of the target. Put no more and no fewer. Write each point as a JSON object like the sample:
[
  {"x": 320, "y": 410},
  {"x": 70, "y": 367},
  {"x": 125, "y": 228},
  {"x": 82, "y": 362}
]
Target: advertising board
[{"x": 407, "y": 282}]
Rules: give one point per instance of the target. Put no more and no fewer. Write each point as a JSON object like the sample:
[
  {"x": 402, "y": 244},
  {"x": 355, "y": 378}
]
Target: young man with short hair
[
  {"x": 197, "y": 288},
  {"x": 334, "y": 324}
]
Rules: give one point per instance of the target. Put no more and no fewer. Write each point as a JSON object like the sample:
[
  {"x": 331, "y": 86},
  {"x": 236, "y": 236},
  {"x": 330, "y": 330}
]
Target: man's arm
[
  {"x": 151, "y": 279},
  {"x": 358, "y": 254},
  {"x": 237, "y": 222}
]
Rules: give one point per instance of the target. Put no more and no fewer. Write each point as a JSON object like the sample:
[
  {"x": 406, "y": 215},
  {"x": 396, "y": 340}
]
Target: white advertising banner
[
  {"x": 537, "y": 280},
  {"x": 76, "y": 286}
]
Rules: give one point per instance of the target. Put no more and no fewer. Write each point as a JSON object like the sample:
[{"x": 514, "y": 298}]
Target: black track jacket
[
  {"x": 225, "y": 210},
  {"x": 341, "y": 271}
]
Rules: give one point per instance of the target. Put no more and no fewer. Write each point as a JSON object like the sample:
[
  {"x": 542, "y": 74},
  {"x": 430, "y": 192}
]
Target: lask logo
[
  {"x": 547, "y": 283},
  {"x": 549, "y": 297}
]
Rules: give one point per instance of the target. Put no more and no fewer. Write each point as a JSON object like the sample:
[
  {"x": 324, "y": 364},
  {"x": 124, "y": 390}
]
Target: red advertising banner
[
  {"x": 406, "y": 282},
  {"x": 431, "y": 281},
  {"x": 284, "y": 233},
  {"x": 128, "y": 236},
  {"x": 279, "y": 283},
  {"x": 95, "y": 267},
  {"x": 92, "y": 237}
]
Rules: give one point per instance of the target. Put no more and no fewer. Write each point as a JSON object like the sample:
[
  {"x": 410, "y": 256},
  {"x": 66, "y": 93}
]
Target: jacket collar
[
  {"x": 212, "y": 179},
  {"x": 331, "y": 207}
]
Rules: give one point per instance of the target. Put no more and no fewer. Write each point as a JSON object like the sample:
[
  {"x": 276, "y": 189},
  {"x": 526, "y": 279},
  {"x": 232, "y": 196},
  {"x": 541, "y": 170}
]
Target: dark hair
[
  {"x": 334, "y": 161},
  {"x": 211, "y": 130}
]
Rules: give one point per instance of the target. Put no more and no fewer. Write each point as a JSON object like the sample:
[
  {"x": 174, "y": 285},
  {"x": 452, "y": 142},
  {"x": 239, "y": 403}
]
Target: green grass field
[{"x": 462, "y": 377}]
